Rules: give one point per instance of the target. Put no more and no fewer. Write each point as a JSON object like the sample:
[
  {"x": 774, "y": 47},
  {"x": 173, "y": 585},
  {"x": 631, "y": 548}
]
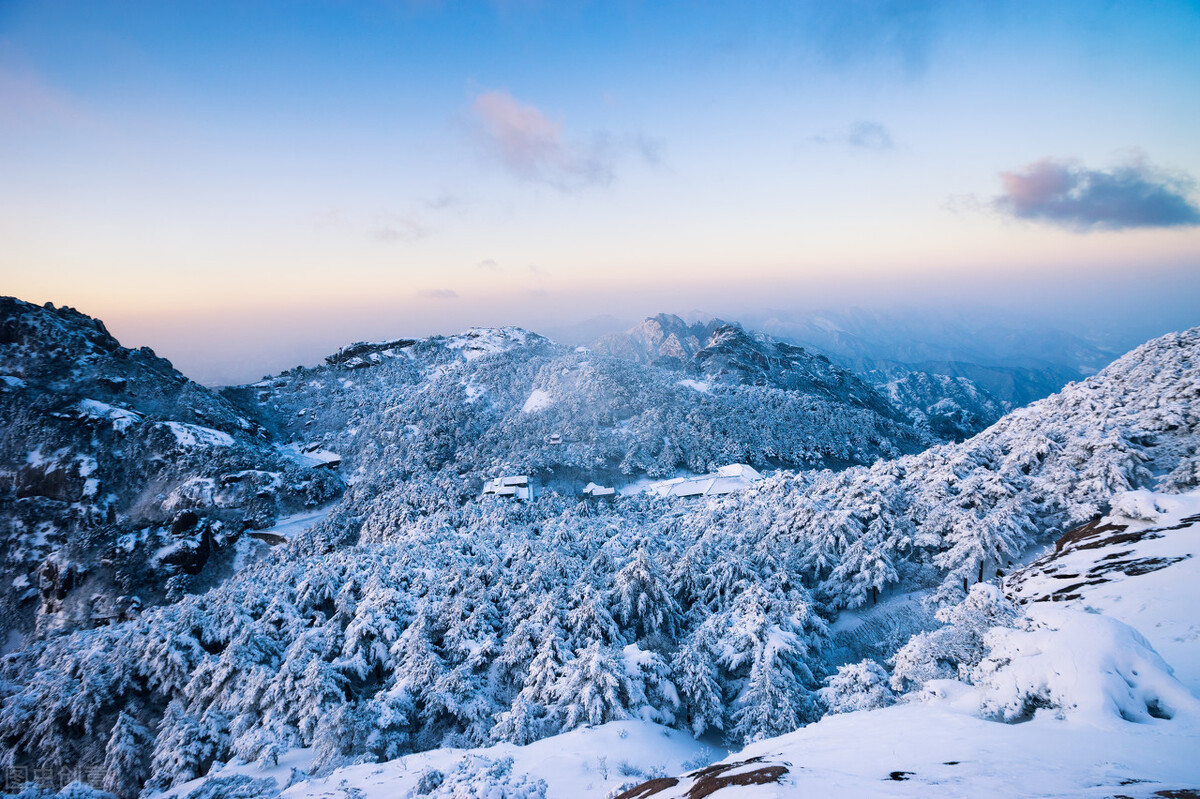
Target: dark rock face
[
  {"x": 110, "y": 456},
  {"x": 711, "y": 780}
]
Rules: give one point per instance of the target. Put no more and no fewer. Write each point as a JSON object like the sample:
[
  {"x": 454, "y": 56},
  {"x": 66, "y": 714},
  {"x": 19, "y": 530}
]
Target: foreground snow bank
[
  {"x": 1083, "y": 666},
  {"x": 1091, "y": 709},
  {"x": 587, "y": 762},
  {"x": 934, "y": 749},
  {"x": 1139, "y": 565}
]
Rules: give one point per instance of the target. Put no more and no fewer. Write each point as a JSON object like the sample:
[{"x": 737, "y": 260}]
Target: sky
[{"x": 245, "y": 186}]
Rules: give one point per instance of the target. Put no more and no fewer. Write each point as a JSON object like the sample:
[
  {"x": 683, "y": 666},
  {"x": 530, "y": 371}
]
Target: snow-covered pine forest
[{"x": 419, "y": 616}]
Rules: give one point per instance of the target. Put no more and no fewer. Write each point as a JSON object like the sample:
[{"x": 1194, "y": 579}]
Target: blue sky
[{"x": 299, "y": 175}]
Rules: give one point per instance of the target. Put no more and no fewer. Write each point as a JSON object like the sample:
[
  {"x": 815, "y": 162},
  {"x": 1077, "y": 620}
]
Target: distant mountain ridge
[{"x": 1014, "y": 359}]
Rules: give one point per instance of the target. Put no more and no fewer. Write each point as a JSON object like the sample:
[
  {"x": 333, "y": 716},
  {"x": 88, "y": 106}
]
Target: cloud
[
  {"x": 1068, "y": 194},
  {"x": 440, "y": 294},
  {"x": 28, "y": 100},
  {"x": 488, "y": 264},
  {"x": 443, "y": 202},
  {"x": 864, "y": 134},
  {"x": 870, "y": 136},
  {"x": 532, "y": 147},
  {"x": 399, "y": 227},
  {"x": 649, "y": 148}
]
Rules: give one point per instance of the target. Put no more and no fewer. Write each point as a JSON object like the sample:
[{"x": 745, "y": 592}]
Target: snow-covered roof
[
  {"x": 739, "y": 470},
  {"x": 726, "y": 480},
  {"x": 594, "y": 490},
  {"x": 509, "y": 486},
  {"x": 311, "y": 455}
]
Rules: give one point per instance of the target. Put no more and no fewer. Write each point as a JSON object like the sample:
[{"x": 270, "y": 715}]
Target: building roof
[{"x": 726, "y": 480}]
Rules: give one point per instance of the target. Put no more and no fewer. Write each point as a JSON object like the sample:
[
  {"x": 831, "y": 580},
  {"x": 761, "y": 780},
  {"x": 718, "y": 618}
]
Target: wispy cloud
[
  {"x": 488, "y": 264},
  {"x": 27, "y": 99},
  {"x": 443, "y": 201},
  {"x": 533, "y": 147},
  {"x": 1068, "y": 194},
  {"x": 405, "y": 228},
  {"x": 864, "y": 134},
  {"x": 439, "y": 294}
]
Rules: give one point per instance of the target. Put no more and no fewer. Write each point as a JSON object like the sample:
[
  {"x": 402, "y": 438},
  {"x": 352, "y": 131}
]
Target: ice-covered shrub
[
  {"x": 857, "y": 686},
  {"x": 954, "y": 650},
  {"x": 477, "y": 777}
]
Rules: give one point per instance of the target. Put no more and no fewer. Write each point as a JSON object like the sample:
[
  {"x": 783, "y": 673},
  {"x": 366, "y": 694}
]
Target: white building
[
  {"x": 516, "y": 486},
  {"x": 725, "y": 480},
  {"x": 593, "y": 490},
  {"x": 311, "y": 455}
]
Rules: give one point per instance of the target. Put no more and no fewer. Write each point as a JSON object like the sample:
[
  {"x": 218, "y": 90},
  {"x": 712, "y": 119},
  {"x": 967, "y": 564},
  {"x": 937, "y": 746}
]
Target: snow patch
[
  {"x": 122, "y": 418},
  {"x": 539, "y": 400},
  {"x": 191, "y": 435},
  {"x": 702, "y": 386},
  {"x": 480, "y": 341},
  {"x": 1081, "y": 666}
]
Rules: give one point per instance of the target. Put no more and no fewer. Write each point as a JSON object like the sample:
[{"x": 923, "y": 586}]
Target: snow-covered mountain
[
  {"x": 949, "y": 405},
  {"x": 951, "y": 408},
  {"x": 121, "y": 481},
  {"x": 460, "y": 409},
  {"x": 720, "y": 352},
  {"x": 419, "y": 617}
]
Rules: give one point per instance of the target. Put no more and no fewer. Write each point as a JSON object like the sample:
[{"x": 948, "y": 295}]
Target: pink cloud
[
  {"x": 1066, "y": 193},
  {"x": 531, "y": 145}
]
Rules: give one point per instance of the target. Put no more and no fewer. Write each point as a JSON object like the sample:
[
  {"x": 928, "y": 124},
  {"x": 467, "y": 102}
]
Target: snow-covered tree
[
  {"x": 126, "y": 761},
  {"x": 594, "y": 688},
  {"x": 857, "y": 686}
]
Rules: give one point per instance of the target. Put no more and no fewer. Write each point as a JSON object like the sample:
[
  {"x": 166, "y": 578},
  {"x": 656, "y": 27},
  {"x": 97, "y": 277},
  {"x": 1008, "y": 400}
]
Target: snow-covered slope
[
  {"x": 940, "y": 748},
  {"x": 1140, "y": 565},
  {"x": 953, "y": 408},
  {"x": 1067, "y": 700},
  {"x": 587, "y": 762}
]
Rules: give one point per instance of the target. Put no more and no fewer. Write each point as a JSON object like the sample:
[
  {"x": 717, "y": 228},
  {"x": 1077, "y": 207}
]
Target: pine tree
[
  {"x": 594, "y": 688},
  {"x": 642, "y": 599},
  {"x": 589, "y": 620},
  {"x": 125, "y": 761},
  {"x": 694, "y": 671},
  {"x": 184, "y": 747}
]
